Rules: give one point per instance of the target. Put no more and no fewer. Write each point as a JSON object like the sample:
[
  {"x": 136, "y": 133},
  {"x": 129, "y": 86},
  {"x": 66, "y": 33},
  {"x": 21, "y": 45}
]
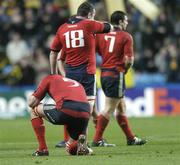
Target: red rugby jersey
[
  {"x": 76, "y": 38},
  {"x": 113, "y": 47},
  {"x": 60, "y": 89}
]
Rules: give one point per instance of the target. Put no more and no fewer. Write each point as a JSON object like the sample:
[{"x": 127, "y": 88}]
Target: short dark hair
[
  {"x": 85, "y": 8},
  {"x": 117, "y": 16}
]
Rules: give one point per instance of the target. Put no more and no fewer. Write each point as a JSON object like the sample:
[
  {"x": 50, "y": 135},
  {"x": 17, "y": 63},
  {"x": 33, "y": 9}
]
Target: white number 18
[{"x": 74, "y": 38}]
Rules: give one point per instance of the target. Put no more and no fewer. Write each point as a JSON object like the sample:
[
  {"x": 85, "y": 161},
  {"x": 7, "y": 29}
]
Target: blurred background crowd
[{"x": 28, "y": 26}]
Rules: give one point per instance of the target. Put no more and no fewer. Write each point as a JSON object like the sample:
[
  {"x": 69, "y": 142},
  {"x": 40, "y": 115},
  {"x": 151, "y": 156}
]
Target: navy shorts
[
  {"x": 78, "y": 73},
  {"x": 75, "y": 126},
  {"x": 86, "y": 80},
  {"x": 113, "y": 83}
]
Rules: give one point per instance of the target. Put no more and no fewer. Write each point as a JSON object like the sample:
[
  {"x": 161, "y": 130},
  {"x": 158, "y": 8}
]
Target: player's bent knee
[
  {"x": 106, "y": 114},
  {"x": 120, "y": 112},
  {"x": 37, "y": 111},
  {"x": 121, "y": 108}
]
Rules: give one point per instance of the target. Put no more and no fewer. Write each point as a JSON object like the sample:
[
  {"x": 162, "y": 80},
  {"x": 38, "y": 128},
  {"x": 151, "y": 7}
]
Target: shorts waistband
[
  {"x": 76, "y": 114},
  {"x": 76, "y": 106}
]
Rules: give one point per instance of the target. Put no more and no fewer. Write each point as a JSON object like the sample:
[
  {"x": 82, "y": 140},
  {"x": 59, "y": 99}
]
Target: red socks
[
  {"x": 123, "y": 123},
  {"x": 39, "y": 129},
  {"x": 71, "y": 148},
  {"x": 66, "y": 134},
  {"x": 102, "y": 123}
]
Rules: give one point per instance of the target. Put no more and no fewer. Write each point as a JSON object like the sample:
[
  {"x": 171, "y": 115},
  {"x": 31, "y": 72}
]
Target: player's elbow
[
  {"x": 53, "y": 55},
  {"x": 107, "y": 28}
]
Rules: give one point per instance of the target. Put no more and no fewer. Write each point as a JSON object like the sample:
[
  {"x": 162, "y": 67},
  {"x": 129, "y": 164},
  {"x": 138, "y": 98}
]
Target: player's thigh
[
  {"x": 88, "y": 81},
  {"x": 113, "y": 86},
  {"x": 110, "y": 104},
  {"x": 89, "y": 84},
  {"x": 53, "y": 115}
]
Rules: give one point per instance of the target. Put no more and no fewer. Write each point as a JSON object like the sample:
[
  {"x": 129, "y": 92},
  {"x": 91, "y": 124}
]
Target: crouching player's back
[
  {"x": 65, "y": 92},
  {"x": 71, "y": 108}
]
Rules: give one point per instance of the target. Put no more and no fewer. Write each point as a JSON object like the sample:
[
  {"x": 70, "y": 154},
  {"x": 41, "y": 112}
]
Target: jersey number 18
[{"x": 74, "y": 38}]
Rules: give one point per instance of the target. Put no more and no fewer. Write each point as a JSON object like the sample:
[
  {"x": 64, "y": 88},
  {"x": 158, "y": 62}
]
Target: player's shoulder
[{"x": 125, "y": 34}]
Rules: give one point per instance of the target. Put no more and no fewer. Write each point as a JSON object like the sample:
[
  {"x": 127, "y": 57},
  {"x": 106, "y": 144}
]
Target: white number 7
[{"x": 112, "y": 41}]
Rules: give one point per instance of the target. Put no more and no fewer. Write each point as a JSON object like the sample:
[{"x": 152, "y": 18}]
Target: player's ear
[
  {"x": 90, "y": 15},
  {"x": 120, "y": 22}
]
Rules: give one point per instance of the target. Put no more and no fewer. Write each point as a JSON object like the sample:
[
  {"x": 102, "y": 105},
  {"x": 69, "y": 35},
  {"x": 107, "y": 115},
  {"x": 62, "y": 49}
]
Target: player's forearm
[
  {"x": 52, "y": 59},
  {"x": 129, "y": 61},
  {"x": 60, "y": 66}
]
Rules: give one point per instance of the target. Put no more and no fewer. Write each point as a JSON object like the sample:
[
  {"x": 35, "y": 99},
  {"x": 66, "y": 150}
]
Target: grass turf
[{"x": 17, "y": 142}]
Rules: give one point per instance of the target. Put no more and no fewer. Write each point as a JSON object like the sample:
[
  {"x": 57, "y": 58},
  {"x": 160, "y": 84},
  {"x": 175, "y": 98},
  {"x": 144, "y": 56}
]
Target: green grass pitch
[{"x": 17, "y": 142}]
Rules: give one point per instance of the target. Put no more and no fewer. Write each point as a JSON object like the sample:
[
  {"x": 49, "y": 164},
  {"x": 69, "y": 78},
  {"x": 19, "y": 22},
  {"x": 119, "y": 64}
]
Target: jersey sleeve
[
  {"x": 128, "y": 48},
  {"x": 41, "y": 90},
  {"x": 56, "y": 43}
]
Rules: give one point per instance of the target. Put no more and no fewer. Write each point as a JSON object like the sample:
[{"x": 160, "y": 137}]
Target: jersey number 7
[
  {"x": 112, "y": 41},
  {"x": 74, "y": 38}
]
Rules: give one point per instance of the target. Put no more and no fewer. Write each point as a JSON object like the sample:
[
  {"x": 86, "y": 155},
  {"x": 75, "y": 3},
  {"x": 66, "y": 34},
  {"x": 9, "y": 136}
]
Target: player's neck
[
  {"x": 81, "y": 17},
  {"x": 117, "y": 28}
]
